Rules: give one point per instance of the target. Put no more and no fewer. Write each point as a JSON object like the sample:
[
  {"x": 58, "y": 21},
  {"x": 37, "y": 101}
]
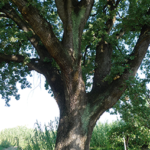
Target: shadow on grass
[
  {"x": 1, "y": 148},
  {"x": 5, "y": 144}
]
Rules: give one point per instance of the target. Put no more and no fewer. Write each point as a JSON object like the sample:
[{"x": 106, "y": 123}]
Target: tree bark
[
  {"x": 127, "y": 141},
  {"x": 80, "y": 111},
  {"x": 76, "y": 122},
  {"x": 74, "y": 131}
]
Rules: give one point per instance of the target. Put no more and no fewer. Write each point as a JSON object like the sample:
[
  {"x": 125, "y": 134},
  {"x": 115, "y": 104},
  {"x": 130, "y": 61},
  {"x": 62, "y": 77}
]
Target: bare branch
[{"x": 119, "y": 15}]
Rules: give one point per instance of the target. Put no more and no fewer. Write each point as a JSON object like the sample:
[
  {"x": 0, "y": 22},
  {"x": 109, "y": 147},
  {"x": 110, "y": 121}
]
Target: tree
[
  {"x": 135, "y": 135},
  {"x": 133, "y": 108},
  {"x": 70, "y": 41}
]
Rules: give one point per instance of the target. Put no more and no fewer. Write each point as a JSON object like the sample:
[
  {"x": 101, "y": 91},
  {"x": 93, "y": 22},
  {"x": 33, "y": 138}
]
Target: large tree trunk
[
  {"x": 74, "y": 131},
  {"x": 80, "y": 111},
  {"x": 76, "y": 127}
]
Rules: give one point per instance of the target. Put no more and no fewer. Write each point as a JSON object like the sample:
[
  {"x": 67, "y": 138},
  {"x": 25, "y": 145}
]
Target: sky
[{"x": 35, "y": 104}]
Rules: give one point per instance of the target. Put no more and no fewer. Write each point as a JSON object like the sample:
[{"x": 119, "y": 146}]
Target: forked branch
[
  {"x": 117, "y": 87},
  {"x": 19, "y": 59},
  {"x": 44, "y": 30}
]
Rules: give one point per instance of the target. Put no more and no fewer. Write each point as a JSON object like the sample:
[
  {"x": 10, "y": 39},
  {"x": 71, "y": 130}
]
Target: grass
[
  {"x": 37, "y": 139},
  {"x": 29, "y": 139}
]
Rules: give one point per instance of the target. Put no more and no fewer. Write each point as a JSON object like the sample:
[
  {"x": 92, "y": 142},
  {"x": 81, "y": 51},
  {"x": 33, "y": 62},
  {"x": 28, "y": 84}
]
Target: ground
[{"x": 9, "y": 148}]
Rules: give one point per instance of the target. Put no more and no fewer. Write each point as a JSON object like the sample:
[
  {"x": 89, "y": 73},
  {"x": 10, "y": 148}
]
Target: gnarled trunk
[
  {"x": 77, "y": 118},
  {"x": 78, "y": 114},
  {"x": 74, "y": 131}
]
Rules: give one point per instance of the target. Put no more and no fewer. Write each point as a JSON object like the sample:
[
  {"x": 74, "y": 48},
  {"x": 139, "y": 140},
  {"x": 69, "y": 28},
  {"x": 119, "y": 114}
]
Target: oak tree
[{"x": 75, "y": 44}]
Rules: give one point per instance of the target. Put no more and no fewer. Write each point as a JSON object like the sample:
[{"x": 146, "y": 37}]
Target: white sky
[{"x": 34, "y": 104}]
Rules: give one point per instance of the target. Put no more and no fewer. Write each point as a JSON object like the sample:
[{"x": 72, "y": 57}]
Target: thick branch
[
  {"x": 61, "y": 10},
  {"x": 102, "y": 100},
  {"x": 103, "y": 64},
  {"x": 51, "y": 73},
  {"x": 35, "y": 41},
  {"x": 103, "y": 60},
  {"x": 19, "y": 59},
  {"x": 46, "y": 68},
  {"x": 140, "y": 49},
  {"x": 74, "y": 15},
  {"x": 44, "y": 30},
  {"x": 54, "y": 79},
  {"x": 88, "y": 4},
  {"x": 107, "y": 96},
  {"x": 8, "y": 58}
]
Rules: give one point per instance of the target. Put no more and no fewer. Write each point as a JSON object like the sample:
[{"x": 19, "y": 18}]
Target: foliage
[
  {"x": 100, "y": 136},
  {"x": 15, "y": 41},
  {"x": 138, "y": 135},
  {"x": 133, "y": 108},
  {"x": 44, "y": 140},
  {"x": 110, "y": 136},
  {"x": 29, "y": 139},
  {"x": 134, "y": 103}
]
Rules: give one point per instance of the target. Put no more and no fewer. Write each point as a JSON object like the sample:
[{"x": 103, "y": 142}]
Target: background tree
[
  {"x": 136, "y": 136},
  {"x": 134, "y": 109},
  {"x": 69, "y": 42}
]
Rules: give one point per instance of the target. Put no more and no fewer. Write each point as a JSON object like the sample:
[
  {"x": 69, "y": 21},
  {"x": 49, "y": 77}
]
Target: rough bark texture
[{"x": 79, "y": 110}]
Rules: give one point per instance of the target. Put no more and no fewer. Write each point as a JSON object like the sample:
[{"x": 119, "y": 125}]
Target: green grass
[
  {"x": 29, "y": 139},
  {"x": 37, "y": 139},
  {"x": 15, "y": 136}
]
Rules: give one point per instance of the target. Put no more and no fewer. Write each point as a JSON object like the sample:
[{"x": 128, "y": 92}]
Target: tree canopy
[
  {"x": 77, "y": 45},
  {"x": 118, "y": 22}
]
